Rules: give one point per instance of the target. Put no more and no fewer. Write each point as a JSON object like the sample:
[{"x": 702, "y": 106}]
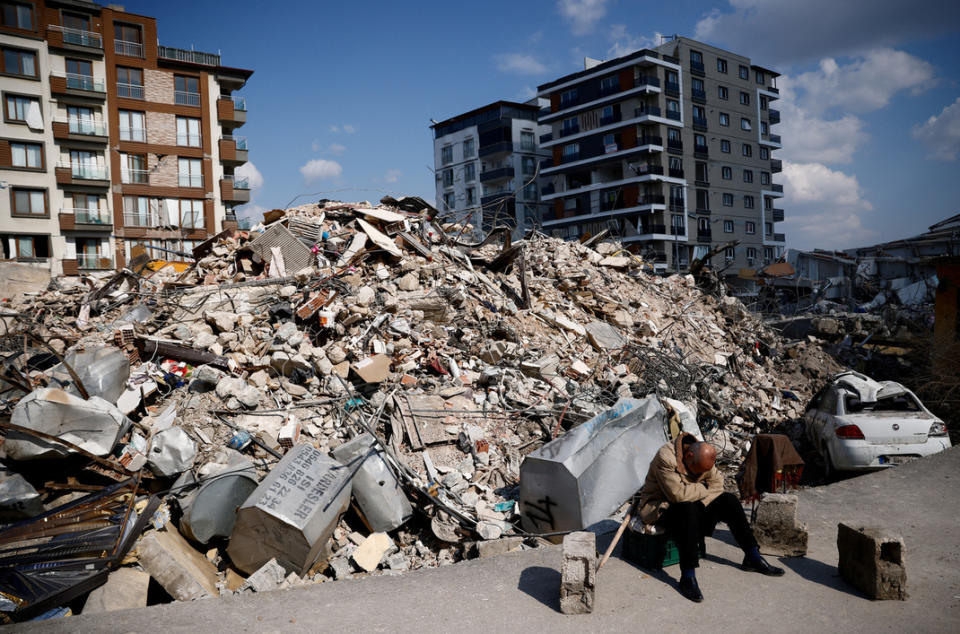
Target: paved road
[{"x": 518, "y": 591}]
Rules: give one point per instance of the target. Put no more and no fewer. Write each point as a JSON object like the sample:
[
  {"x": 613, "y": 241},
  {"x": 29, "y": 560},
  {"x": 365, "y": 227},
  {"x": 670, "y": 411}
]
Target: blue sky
[{"x": 340, "y": 102}]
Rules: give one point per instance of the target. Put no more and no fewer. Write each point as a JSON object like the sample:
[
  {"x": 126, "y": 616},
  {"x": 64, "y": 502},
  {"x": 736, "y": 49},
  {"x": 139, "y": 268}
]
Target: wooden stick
[{"x": 616, "y": 538}]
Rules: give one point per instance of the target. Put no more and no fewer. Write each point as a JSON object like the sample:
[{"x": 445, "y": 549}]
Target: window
[
  {"x": 136, "y": 211},
  {"x": 747, "y": 176},
  {"x": 701, "y": 168},
  {"x": 470, "y": 172},
  {"x": 609, "y": 143},
  {"x": 133, "y": 169},
  {"x": 448, "y": 178},
  {"x": 729, "y": 253},
  {"x": 449, "y": 201},
  {"x": 703, "y": 225},
  {"x": 186, "y": 90},
  {"x": 764, "y": 153},
  {"x": 129, "y": 82},
  {"x": 723, "y": 93},
  {"x": 767, "y": 253},
  {"x": 570, "y": 203},
  {"x": 606, "y": 115},
  {"x": 726, "y": 173},
  {"x": 697, "y": 85},
  {"x": 529, "y": 164},
  {"x": 750, "y": 227},
  {"x": 703, "y": 200},
  {"x": 29, "y": 202},
  {"x": 673, "y": 135},
  {"x": 699, "y": 113},
  {"x": 699, "y": 143},
  {"x": 672, "y": 77},
  {"x": 571, "y": 151},
  {"x": 33, "y": 247},
  {"x": 29, "y": 155},
  {"x": 471, "y": 196},
  {"x": 76, "y": 21},
  {"x": 469, "y": 151},
  {"x": 696, "y": 57},
  {"x": 761, "y": 77},
  {"x": 728, "y": 226},
  {"x": 19, "y": 62},
  {"x": 748, "y": 202},
  {"x": 724, "y": 119},
  {"x": 763, "y": 102},
  {"x": 18, "y": 15},
  {"x": 744, "y": 98},
  {"x": 526, "y": 140},
  {"x": 191, "y": 213},
  {"x": 676, "y": 165},
  {"x": 745, "y": 124},
  {"x": 728, "y": 202},
  {"x": 609, "y": 85},
  {"x": 132, "y": 127},
  {"x": 190, "y": 171},
  {"x": 764, "y": 178},
  {"x": 744, "y": 72},
  {"x": 18, "y": 106},
  {"x": 673, "y": 106},
  {"x": 570, "y": 126},
  {"x": 721, "y": 65},
  {"x": 751, "y": 254},
  {"x": 81, "y": 121},
  {"x": 530, "y": 191},
  {"x": 446, "y": 155},
  {"x": 568, "y": 96},
  {"x": 725, "y": 146},
  {"x": 746, "y": 149},
  {"x": 188, "y": 131},
  {"x": 128, "y": 39},
  {"x": 764, "y": 128}
]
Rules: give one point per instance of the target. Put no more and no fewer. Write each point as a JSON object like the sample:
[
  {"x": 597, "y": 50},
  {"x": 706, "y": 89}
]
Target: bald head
[{"x": 699, "y": 457}]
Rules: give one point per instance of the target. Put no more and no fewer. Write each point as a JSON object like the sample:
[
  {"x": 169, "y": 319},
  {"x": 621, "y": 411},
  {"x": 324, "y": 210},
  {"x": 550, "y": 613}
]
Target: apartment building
[
  {"x": 110, "y": 140},
  {"x": 670, "y": 150},
  {"x": 486, "y": 167}
]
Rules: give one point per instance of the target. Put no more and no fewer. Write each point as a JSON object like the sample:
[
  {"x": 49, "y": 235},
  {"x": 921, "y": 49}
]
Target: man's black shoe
[
  {"x": 690, "y": 589},
  {"x": 760, "y": 565}
]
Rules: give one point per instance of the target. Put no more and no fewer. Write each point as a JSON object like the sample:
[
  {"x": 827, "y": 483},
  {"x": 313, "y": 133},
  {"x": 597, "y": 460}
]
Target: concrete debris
[
  {"x": 776, "y": 527},
  {"x": 182, "y": 571},
  {"x": 369, "y": 553},
  {"x": 125, "y": 589},
  {"x": 578, "y": 573},
  {"x": 873, "y": 561}
]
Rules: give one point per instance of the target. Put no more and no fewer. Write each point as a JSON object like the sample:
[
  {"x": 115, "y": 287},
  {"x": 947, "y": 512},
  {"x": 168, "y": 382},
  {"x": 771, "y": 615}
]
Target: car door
[{"x": 824, "y": 416}]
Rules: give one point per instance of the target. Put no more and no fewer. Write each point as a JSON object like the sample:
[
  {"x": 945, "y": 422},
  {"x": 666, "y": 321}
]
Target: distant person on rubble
[{"x": 683, "y": 493}]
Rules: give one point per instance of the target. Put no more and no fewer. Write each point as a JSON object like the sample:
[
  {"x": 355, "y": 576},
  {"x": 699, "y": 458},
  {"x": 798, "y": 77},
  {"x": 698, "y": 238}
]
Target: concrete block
[
  {"x": 125, "y": 588},
  {"x": 776, "y": 527},
  {"x": 496, "y": 547},
  {"x": 578, "y": 573},
  {"x": 182, "y": 571},
  {"x": 872, "y": 560},
  {"x": 371, "y": 551}
]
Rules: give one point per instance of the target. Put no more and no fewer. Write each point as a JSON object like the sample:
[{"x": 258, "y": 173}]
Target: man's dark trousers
[{"x": 688, "y": 522}]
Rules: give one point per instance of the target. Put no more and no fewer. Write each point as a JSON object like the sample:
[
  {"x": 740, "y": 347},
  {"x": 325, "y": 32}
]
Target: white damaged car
[{"x": 859, "y": 424}]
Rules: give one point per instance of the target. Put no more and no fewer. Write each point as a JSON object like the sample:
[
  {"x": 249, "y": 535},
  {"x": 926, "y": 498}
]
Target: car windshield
[{"x": 899, "y": 403}]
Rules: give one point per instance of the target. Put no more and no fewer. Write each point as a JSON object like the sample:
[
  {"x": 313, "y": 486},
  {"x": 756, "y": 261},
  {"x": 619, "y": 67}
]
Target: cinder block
[
  {"x": 578, "y": 573},
  {"x": 872, "y": 560},
  {"x": 776, "y": 527}
]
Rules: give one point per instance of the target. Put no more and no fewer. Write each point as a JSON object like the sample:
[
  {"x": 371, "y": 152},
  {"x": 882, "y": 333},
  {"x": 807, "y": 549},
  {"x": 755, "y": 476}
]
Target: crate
[{"x": 652, "y": 551}]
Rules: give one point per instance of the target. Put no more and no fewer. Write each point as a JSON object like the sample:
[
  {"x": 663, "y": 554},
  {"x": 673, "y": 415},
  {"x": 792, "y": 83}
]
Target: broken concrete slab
[
  {"x": 578, "y": 573},
  {"x": 369, "y": 553},
  {"x": 776, "y": 527},
  {"x": 494, "y": 547},
  {"x": 872, "y": 559},
  {"x": 603, "y": 336},
  {"x": 182, "y": 571},
  {"x": 125, "y": 589},
  {"x": 373, "y": 369}
]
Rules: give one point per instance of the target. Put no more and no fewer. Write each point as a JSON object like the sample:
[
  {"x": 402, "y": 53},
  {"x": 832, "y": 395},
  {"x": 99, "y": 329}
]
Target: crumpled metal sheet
[
  {"x": 171, "y": 452},
  {"x": 583, "y": 476},
  {"x": 211, "y": 509},
  {"x": 375, "y": 487},
  {"x": 18, "y": 498},
  {"x": 103, "y": 372},
  {"x": 94, "y": 425}
]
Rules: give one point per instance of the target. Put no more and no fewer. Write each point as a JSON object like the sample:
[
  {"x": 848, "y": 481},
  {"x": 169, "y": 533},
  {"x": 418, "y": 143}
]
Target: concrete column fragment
[
  {"x": 579, "y": 572},
  {"x": 872, "y": 560},
  {"x": 183, "y": 572},
  {"x": 776, "y": 527}
]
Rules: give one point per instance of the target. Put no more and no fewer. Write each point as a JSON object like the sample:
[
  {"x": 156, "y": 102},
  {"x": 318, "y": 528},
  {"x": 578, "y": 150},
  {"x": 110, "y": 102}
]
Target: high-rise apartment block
[
  {"x": 486, "y": 167},
  {"x": 670, "y": 149},
  {"x": 110, "y": 140}
]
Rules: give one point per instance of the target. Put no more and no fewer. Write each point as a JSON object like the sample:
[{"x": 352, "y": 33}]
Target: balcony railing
[
  {"x": 673, "y": 114},
  {"x": 700, "y": 123},
  {"x": 647, "y": 170},
  {"x": 130, "y": 49},
  {"x": 190, "y": 180},
  {"x": 696, "y": 67},
  {"x": 777, "y": 188},
  {"x": 611, "y": 119},
  {"x": 674, "y": 145},
  {"x": 85, "y": 171},
  {"x": 678, "y": 231},
  {"x": 84, "y": 82},
  {"x": 675, "y": 172},
  {"x": 648, "y": 229},
  {"x": 240, "y": 141},
  {"x": 774, "y": 115},
  {"x": 570, "y": 129},
  {"x": 133, "y": 134},
  {"x": 569, "y": 157},
  {"x": 651, "y": 199},
  {"x": 776, "y": 166},
  {"x": 545, "y": 138},
  {"x": 496, "y": 174},
  {"x": 183, "y": 55},
  {"x": 84, "y": 125},
  {"x": 189, "y": 140},
  {"x": 94, "y": 261},
  {"x": 775, "y": 138},
  {"x": 88, "y": 216},
  {"x": 701, "y": 149},
  {"x": 643, "y": 80},
  {"x": 653, "y": 111},
  {"x": 130, "y": 176},
  {"x": 130, "y": 91},
  {"x": 182, "y": 98},
  {"x": 240, "y": 183},
  {"x": 672, "y": 87},
  {"x": 779, "y": 237},
  {"x": 650, "y": 139},
  {"x": 136, "y": 219},
  {"x": 78, "y": 37},
  {"x": 699, "y": 95},
  {"x": 704, "y": 235},
  {"x": 776, "y": 215},
  {"x": 239, "y": 103},
  {"x": 676, "y": 204}
]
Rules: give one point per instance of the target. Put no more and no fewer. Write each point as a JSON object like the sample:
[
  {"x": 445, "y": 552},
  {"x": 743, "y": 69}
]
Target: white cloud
[
  {"x": 582, "y": 14},
  {"x": 817, "y": 183},
  {"x": 251, "y": 212},
  {"x": 249, "y": 171},
  {"x": 941, "y": 133},
  {"x": 778, "y": 31},
  {"x": 320, "y": 169},
  {"x": 392, "y": 176},
  {"x": 808, "y": 138},
  {"x": 346, "y": 128},
  {"x": 519, "y": 63},
  {"x": 622, "y": 43},
  {"x": 336, "y": 149},
  {"x": 526, "y": 93}
]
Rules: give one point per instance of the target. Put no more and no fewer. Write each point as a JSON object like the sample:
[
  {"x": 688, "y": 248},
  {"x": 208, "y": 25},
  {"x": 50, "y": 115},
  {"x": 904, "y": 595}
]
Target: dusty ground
[{"x": 518, "y": 591}]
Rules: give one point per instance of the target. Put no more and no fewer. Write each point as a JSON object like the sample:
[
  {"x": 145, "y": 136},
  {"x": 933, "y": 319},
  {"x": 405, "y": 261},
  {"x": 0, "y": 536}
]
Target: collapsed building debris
[{"x": 356, "y": 352}]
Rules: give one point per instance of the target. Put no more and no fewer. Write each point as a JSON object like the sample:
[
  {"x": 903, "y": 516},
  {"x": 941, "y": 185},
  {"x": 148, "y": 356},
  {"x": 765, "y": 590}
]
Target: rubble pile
[{"x": 361, "y": 384}]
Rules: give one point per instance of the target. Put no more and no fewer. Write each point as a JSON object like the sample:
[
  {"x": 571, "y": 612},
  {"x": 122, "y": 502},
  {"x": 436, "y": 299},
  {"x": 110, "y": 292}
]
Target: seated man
[{"x": 684, "y": 494}]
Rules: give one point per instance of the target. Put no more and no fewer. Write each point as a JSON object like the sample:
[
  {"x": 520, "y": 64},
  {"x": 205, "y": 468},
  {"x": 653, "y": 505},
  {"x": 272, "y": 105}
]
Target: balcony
[
  {"x": 774, "y": 115},
  {"x": 777, "y": 188},
  {"x": 774, "y": 138},
  {"x": 502, "y": 147},
  {"x": 678, "y": 231},
  {"x": 704, "y": 235},
  {"x": 700, "y": 124},
  {"x": 648, "y": 229},
  {"x": 192, "y": 57},
  {"x": 496, "y": 174},
  {"x": 673, "y": 144},
  {"x": 698, "y": 96},
  {"x": 77, "y": 129},
  {"x": 779, "y": 237},
  {"x": 643, "y": 80},
  {"x": 648, "y": 170},
  {"x": 701, "y": 151},
  {"x": 672, "y": 88},
  {"x": 696, "y": 68},
  {"x": 60, "y": 35},
  {"x": 546, "y": 138},
  {"x": 85, "y": 220},
  {"x": 651, "y": 199},
  {"x": 128, "y": 49},
  {"x": 233, "y": 149},
  {"x": 182, "y": 98},
  {"x": 234, "y": 190},
  {"x": 129, "y": 176},
  {"x": 569, "y": 129},
  {"x": 81, "y": 174},
  {"x": 653, "y": 111},
  {"x": 129, "y": 91},
  {"x": 650, "y": 139},
  {"x": 615, "y": 118},
  {"x": 92, "y": 262},
  {"x": 569, "y": 157},
  {"x": 673, "y": 114},
  {"x": 676, "y": 204},
  {"x": 775, "y": 214},
  {"x": 77, "y": 85},
  {"x": 232, "y": 110},
  {"x": 776, "y": 166}
]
